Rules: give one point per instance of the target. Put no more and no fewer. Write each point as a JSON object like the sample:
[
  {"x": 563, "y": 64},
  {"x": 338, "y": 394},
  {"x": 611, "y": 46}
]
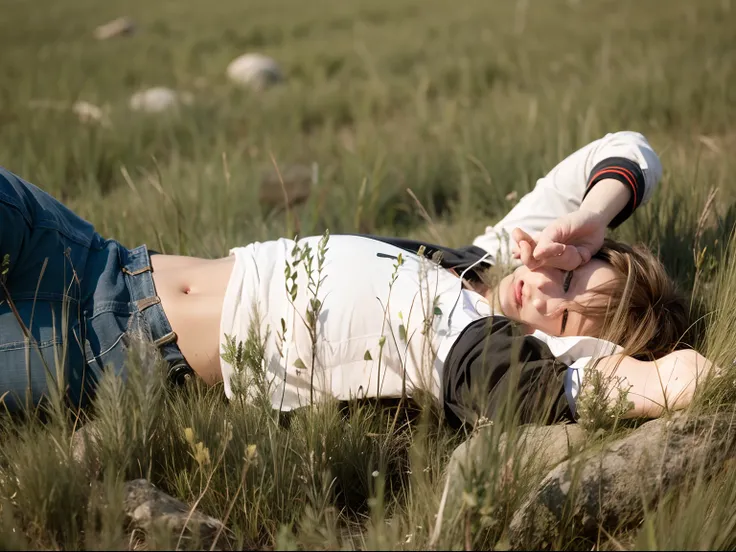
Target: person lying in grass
[{"x": 353, "y": 316}]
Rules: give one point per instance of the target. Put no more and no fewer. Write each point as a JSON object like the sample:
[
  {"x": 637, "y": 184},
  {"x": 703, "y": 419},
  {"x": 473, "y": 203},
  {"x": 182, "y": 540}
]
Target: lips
[{"x": 517, "y": 293}]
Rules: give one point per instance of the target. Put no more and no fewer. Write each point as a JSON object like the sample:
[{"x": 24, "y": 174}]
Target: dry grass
[{"x": 461, "y": 102}]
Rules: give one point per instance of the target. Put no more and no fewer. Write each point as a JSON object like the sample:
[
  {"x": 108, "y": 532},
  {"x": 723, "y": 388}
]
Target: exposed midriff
[{"x": 192, "y": 291}]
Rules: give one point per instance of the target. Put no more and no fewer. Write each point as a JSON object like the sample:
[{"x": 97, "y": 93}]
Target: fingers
[
  {"x": 547, "y": 250},
  {"x": 558, "y": 254},
  {"x": 553, "y": 254},
  {"x": 523, "y": 247},
  {"x": 525, "y": 254},
  {"x": 569, "y": 259},
  {"x": 551, "y": 242},
  {"x": 520, "y": 235},
  {"x": 585, "y": 254}
]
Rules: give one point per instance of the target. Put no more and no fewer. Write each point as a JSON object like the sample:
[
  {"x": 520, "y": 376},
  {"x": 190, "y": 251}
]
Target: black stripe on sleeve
[{"x": 625, "y": 171}]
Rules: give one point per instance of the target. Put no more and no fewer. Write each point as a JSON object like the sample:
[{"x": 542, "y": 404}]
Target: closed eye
[
  {"x": 567, "y": 281},
  {"x": 565, "y": 286}
]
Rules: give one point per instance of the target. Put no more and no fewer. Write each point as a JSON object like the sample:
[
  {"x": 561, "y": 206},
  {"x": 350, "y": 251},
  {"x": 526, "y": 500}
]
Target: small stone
[
  {"x": 122, "y": 26},
  {"x": 159, "y": 99},
  {"x": 148, "y": 508},
  {"x": 86, "y": 112},
  {"x": 90, "y": 113},
  {"x": 200, "y": 83},
  {"x": 297, "y": 181},
  {"x": 254, "y": 71},
  {"x": 84, "y": 443}
]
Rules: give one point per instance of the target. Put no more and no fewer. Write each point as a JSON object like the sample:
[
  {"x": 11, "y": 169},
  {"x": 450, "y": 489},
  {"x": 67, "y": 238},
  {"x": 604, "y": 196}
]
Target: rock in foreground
[
  {"x": 609, "y": 488},
  {"x": 150, "y": 509}
]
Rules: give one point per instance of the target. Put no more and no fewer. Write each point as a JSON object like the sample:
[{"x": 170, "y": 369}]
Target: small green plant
[
  {"x": 596, "y": 406},
  {"x": 249, "y": 381},
  {"x": 382, "y": 340},
  {"x": 304, "y": 256}
]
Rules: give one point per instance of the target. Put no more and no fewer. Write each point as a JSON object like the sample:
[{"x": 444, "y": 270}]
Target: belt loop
[
  {"x": 170, "y": 337},
  {"x": 143, "y": 304},
  {"x": 136, "y": 272}
]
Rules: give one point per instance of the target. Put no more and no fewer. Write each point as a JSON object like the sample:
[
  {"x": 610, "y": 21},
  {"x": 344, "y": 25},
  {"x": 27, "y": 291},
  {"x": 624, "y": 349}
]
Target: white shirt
[
  {"x": 360, "y": 308},
  {"x": 420, "y": 316}
]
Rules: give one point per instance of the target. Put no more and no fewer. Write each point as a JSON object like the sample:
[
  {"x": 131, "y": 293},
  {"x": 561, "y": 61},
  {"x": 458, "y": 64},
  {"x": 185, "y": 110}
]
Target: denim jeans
[{"x": 68, "y": 300}]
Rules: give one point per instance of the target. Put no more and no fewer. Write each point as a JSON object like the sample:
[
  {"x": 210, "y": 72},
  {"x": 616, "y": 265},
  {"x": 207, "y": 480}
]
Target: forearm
[
  {"x": 595, "y": 175},
  {"x": 655, "y": 387},
  {"x": 607, "y": 199}
]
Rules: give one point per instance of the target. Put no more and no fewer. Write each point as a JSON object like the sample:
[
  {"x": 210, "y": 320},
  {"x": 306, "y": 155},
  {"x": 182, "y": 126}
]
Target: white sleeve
[{"x": 562, "y": 190}]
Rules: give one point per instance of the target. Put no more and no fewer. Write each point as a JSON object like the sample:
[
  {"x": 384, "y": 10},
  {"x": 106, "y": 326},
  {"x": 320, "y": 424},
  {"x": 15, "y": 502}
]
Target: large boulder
[
  {"x": 546, "y": 446},
  {"x": 530, "y": 447},
  {"x": 254, "y": 71},
  {"x": 609, "y": 487}
]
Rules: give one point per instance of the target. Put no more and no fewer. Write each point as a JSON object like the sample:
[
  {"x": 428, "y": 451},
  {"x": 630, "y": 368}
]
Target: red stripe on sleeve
[{"x": 628, "y": 175}]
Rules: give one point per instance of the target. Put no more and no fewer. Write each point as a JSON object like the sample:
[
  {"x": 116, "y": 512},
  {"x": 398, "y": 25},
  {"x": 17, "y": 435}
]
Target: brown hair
[{"x": 644, "y": 312}]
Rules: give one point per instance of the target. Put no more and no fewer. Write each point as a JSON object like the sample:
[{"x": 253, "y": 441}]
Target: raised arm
[{"x": 611, "y": 176}]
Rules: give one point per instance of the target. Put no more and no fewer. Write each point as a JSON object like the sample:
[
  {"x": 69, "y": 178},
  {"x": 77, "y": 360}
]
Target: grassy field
[{"x": 462, "y": 102}]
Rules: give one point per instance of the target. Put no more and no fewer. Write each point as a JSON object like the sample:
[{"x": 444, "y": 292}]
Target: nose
[{"x": 538, "y": 290}]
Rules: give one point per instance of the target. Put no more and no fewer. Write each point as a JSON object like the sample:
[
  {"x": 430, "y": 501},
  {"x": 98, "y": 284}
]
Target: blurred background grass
[{"x": 463, "y": 102}]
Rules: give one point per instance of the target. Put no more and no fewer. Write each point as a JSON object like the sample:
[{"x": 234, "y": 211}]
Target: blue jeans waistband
[{"x": 137, "y": 270}]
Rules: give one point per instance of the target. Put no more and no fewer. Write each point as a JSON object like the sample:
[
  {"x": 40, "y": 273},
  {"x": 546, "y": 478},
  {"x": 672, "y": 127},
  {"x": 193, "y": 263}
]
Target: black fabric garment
[
  {"x": 450, "y": 258},
  {"x": 626, "y": 172},
  {"x": 494, "y": 370},
  {"x": 493, "y": 365}
]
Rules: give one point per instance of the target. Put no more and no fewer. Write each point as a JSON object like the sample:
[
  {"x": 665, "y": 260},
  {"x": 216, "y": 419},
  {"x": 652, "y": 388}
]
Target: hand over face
[{"x": 566, "y": 243}]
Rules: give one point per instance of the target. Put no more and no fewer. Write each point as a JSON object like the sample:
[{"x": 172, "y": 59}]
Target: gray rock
[
  {"x": 85, "y": 112},
  {"x": 254, "y": 71},
  {"x": 297, "y": 181},
  {"x": 151, "y": 510},
  {"x": 158, "y": 99},
  {"x": 610, "y": 486},
  {"x": 122, "y": 26},
  {"x": 88, "y": 112},
  {"x": 546, "y": 445},
  {"x": 83, "y": 448},
  {"x": 486, "y": 456}
]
